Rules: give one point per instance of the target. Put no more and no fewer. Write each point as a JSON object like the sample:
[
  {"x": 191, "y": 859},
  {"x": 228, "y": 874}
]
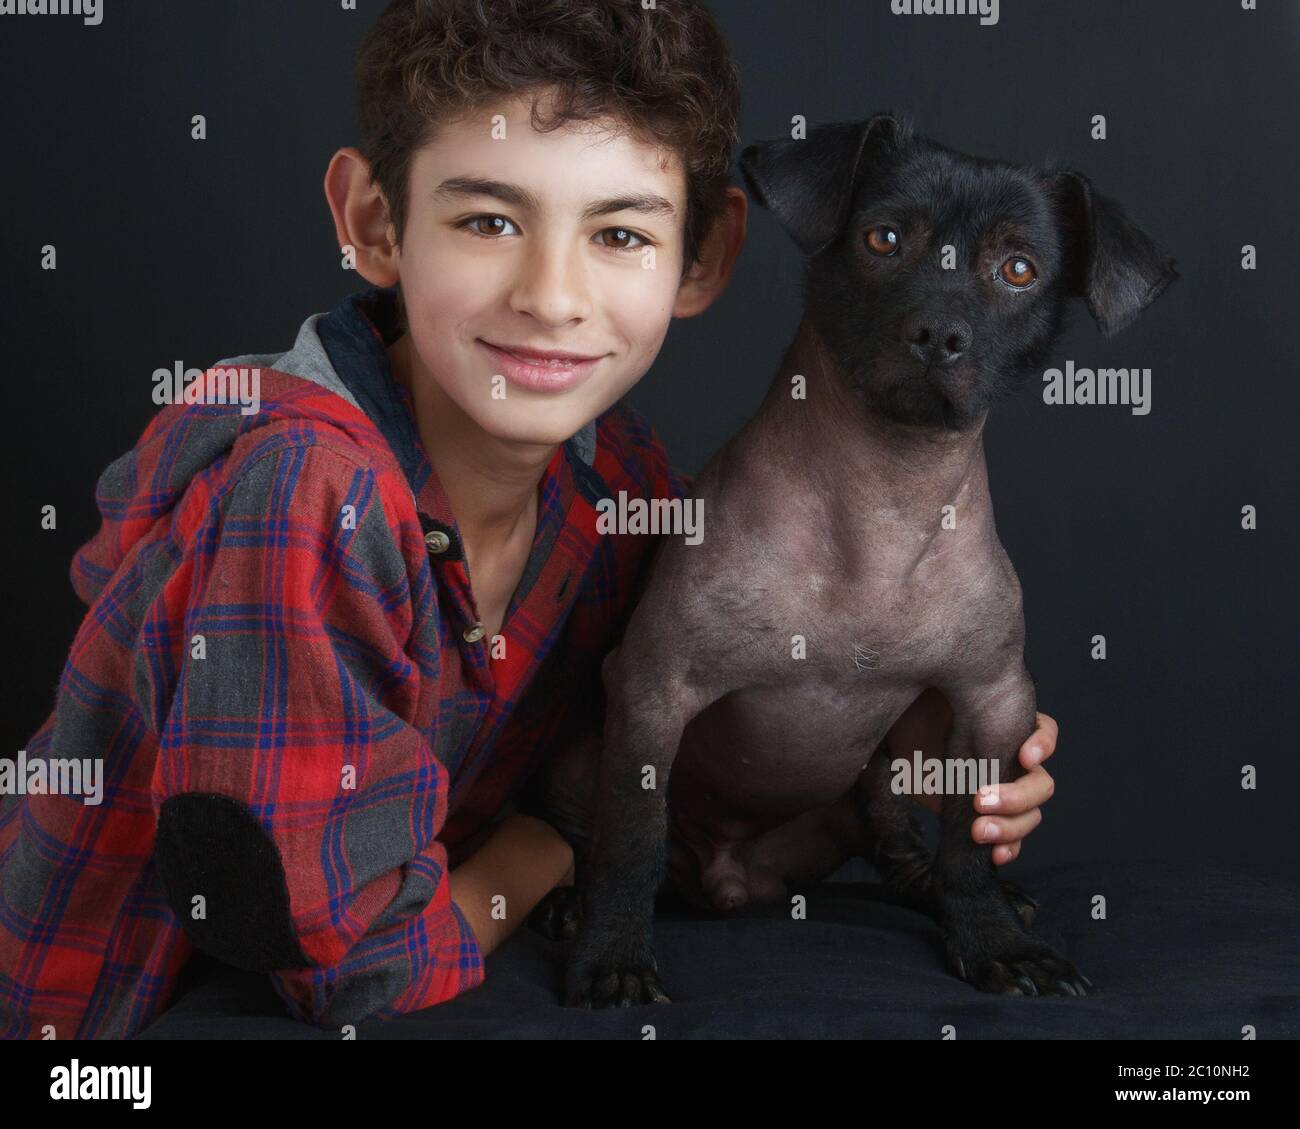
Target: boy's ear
[
  {"x": 361, "y": 217},
  {"x": 707, "y": 278},
  {"x": 1111, "y": 263},
  {"x": 808, "y": 184}
]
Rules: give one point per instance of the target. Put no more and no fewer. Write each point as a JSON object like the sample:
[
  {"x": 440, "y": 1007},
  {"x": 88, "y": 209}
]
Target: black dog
[{"x": 766, "y": 667}]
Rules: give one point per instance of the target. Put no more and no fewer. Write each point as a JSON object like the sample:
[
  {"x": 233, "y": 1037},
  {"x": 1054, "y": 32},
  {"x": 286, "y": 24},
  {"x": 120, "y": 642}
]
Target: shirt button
[
  {"x": 437, "y": 541},
  {"x": 473, "y": 634}
]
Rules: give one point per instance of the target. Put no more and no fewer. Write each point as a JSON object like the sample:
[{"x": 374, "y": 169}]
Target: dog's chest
[
  {"x": 879, "y": 623},
  {"x": 846, "y": 655}
]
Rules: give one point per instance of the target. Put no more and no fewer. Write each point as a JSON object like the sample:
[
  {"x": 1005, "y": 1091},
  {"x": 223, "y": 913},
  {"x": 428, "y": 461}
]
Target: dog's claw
[
  {"x": 1027, "y": 986},
  {"x": 635, "y": 987},
  {"x": 631, "y": 994}
]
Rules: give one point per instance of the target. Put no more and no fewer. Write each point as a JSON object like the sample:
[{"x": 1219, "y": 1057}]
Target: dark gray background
[{"x": 1119, "y": 525}]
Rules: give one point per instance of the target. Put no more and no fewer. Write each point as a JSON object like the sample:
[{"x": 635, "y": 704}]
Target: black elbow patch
[{"x": 213, "y": 847}]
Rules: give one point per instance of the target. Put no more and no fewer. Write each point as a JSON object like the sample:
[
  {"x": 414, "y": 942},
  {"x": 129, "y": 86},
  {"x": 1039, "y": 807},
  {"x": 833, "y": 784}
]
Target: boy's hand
[{"x": 1018, "y": 804}]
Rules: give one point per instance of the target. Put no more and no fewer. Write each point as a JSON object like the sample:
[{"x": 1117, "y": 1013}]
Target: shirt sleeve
[{"x": 299, "y": 803}]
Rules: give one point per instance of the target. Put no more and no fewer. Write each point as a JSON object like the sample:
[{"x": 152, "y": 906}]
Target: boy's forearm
[{"x": 523, "y": 861}]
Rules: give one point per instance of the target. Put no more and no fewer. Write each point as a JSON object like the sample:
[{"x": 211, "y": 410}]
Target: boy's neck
[{"x": 490, "y": 485}]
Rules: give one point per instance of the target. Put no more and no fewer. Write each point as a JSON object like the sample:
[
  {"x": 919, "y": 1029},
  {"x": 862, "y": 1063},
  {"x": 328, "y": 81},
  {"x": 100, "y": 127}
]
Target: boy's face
[{"x": 525, "y": 263}]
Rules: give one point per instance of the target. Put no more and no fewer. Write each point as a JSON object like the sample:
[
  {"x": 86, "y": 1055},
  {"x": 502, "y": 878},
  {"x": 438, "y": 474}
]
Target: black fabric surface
[{"x": 1185, "y": 952}]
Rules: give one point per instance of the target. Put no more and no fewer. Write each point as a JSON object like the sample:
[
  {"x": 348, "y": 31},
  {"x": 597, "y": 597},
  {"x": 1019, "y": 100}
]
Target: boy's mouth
[{"x": 541, "y": 370}]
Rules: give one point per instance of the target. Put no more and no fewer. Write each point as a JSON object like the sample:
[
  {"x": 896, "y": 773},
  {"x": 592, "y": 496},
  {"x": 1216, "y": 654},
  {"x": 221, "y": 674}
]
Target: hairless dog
[{"x": 850, "y": 563}]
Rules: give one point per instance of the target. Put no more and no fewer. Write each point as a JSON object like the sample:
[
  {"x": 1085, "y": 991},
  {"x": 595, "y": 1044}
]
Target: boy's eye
[
  {"x": 490, "y": 227},
  {"x": 497, "y": 224},
  {"x": 622, "y": 238},
  {"x": 1018, "y": 273}
]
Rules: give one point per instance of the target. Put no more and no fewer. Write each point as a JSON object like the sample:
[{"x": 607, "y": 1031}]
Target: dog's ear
[
  {"x": 1111, "y": 263},
  {"x": 808, "y": 184}
]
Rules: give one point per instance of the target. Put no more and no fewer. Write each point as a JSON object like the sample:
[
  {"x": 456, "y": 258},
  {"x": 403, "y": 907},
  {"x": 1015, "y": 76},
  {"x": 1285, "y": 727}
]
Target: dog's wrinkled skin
[{"x": 825, "y": 521}]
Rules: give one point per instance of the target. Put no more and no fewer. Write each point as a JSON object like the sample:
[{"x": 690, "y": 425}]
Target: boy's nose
[{"x": 552, "y": 286}]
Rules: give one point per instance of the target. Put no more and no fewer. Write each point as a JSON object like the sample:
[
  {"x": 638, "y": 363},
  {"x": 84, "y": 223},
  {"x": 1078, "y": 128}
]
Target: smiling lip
[{"x": 541, "y": 370}]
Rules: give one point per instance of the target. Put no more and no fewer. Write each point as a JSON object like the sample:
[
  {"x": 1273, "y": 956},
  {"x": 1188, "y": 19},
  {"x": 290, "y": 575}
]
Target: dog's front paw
[
  {"x": 612, "y": 972},
  {"x": 558, "y": 915},
  {"x": 1004, "y": 959}
]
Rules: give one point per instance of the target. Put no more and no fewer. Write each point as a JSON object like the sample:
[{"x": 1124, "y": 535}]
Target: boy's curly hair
[{"x": 665, "y": 72}]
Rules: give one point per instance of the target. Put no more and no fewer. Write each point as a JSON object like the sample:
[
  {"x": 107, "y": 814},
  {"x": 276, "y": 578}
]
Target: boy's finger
[
  {"x": 1005, "y": 829},
  {"x": 1003, "y": 853},
  {"x": 1032, "y": 790},
  {"x": 1041, "y": 743}
]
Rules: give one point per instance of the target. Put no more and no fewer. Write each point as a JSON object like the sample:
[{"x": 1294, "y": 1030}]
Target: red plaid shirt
[{"x": 297, "y": 726}]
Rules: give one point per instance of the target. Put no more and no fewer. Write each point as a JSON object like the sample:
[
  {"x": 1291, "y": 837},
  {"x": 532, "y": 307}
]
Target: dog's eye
[
  {"x": 1018, "y": 272},
  {"x": 882, "y": 241}
]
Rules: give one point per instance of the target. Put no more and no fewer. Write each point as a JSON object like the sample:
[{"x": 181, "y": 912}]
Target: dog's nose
[{"x": 936, "y": 338}]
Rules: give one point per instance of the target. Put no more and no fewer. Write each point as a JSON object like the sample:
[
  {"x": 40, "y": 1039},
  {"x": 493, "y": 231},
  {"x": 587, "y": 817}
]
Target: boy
[{"x": 311, "y": 721}]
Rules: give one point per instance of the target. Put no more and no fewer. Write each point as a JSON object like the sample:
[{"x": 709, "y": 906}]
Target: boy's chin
[{"x": 535, "y": 425}]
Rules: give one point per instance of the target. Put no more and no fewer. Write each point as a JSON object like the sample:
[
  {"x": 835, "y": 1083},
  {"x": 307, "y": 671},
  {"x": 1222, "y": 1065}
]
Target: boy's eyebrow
[{"x": 648, "y": 202}]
